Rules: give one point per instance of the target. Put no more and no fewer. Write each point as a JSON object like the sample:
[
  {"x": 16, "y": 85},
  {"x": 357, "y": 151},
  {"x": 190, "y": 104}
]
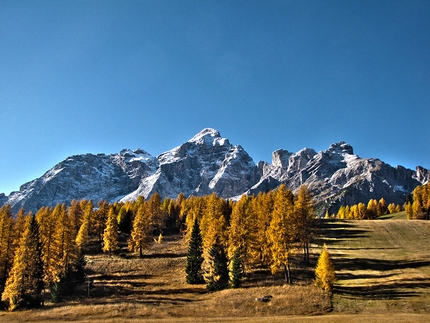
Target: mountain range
[{"x": 209, "y": 163}]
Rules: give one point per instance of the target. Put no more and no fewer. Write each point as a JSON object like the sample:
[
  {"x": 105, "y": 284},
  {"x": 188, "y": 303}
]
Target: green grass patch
[{"x": 394, "y": 216}]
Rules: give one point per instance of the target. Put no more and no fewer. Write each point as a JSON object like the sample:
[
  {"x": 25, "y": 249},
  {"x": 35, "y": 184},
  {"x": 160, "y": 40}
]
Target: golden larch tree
[
  {"x": 64, "y": 248},
  {"x": 24, "y": 285},
  {"x": 325, "y": 276},
  {"x": 47, "y": 219},
  {"x": 262, "y": 206},
  {"x": 6, "y": 238},
  {"x": 99, "y": 218},
  {"x": 281, "y": 233},
  {"x": 140, "y": 230},
  {"x": 304, "y": 220},
  {"x": 83, "y": 235},
  {"x": 213, "y": 222},
  {"x": 242, "y": 232},
  {"x": 111, "y": 232}
]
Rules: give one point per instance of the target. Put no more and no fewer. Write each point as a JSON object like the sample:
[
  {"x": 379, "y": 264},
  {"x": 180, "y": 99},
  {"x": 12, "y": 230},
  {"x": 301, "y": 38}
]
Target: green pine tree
[
  {"x": 236, "y": 270},
  {"x": 193, "y": 269},
  {"x": 218, "y": 277}
]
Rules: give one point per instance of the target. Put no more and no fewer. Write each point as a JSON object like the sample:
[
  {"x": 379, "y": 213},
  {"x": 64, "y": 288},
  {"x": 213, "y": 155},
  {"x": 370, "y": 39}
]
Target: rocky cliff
[{"x": 208, "y": 163}]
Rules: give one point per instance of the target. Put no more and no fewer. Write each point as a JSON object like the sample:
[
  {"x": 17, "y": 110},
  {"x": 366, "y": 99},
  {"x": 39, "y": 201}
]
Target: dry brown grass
[
  {"x": 383, "y": 268},
  {"x": 154, "y": 288}
]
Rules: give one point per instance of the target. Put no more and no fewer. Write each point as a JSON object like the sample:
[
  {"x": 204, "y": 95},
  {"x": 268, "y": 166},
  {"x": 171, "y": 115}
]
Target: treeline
[
  {"x": 263, "y": 230},
  {"x": 371, "y": 210},
  {"x": 46, "y": 250},
  {"x": 419, "y": 206}
]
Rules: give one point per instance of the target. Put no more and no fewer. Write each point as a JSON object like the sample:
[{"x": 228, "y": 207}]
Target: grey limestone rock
[{"x": 209, "y": 163}]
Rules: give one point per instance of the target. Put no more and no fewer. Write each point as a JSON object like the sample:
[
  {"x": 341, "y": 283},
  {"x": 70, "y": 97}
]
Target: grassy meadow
[{"x": 382, "y": 266}]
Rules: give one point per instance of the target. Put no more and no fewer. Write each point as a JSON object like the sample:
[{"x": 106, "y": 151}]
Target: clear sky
[{"x": 97, "y": 76}]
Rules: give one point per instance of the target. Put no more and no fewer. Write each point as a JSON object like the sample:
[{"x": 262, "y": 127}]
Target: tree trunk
[
  {"x": 290, "y": 280},
  {"x": 286, "y": 274},
  {"x": 306, "y": 252}
]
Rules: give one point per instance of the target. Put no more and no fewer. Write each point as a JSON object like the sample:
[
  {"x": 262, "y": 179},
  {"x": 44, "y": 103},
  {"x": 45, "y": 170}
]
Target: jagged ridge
[{"x": 208, "y": 163}]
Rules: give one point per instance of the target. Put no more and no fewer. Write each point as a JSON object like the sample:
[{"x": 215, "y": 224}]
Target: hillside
[{"x": 383, "y": 267}]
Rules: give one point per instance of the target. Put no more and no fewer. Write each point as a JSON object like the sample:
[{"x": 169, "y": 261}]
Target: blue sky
[{"x": 99, "y": 76}]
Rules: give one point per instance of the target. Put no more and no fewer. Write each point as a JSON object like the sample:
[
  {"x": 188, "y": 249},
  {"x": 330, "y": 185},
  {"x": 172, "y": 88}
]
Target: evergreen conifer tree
[
  {"x": 218, "y": 277},
  {"x": 24, "y": 285},
  {"x": 194, "y": 257},
  {"x": 236, "y": 270}
]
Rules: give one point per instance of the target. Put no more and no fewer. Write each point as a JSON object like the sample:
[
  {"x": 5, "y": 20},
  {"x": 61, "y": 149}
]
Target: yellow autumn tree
[
  {"x": 409, "y": 210},
  {"x": 325, "y": 276},
  {"x": 75, "y": 214},
  {"x": 83, "y": 235},
  {"x": 304, "y": 216},
  {"x": 242, "y": 230},
  {"x": 372, "y": 209},
  {"x": 213, "y": 222},
  {"x": 64, "y": 250},
  {"x": 18, "y": 227},
  {"x": 140, "y": 230},
  {"x": 99, "y": 218},
  {"x": 192, "y": 209},
  {"x": 110, "y": 234},
  {"x": 391, "y": 208},
  {"x": 47, "y": 219},
  {"x": 24, "y": 285},
  {"x": 6, "y": 238},
  {"x": 155, "y": 211},
  {"x": 341, "y": 212},
  {"x": 382, "y": 207},
  {"x": 281, "y": 232},
  {"x": 262, "y": 207}
]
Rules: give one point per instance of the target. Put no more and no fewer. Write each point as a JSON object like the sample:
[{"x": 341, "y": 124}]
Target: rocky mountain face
[
  {"x": 208, "y": 163},
  {"x": 338, "y": 177}
]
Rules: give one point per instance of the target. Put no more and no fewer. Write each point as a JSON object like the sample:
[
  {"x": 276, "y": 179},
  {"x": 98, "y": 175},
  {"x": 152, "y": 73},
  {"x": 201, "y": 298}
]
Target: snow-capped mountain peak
[
  {"x": 206, "y": 135},
  {"x": 208, "y": 163}
]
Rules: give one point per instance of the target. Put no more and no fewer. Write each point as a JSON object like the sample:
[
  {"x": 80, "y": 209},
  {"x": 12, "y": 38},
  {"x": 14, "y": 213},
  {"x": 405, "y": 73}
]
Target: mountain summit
[{"x": 208, "y": 163}]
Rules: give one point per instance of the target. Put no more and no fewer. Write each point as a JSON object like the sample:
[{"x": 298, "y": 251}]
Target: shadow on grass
[
  {"x": 379, "y": 289},
  {"x": 349, "y": 264},
  {"x": 336, "y": 231},
  {"x": 349, "y": 276},
  {"x": 164, "y": 255},
  {"x": 388, "y": 291},
  {"x": 111, "y": 294},
  {"x": 367, "y": 248},
  {"x": 138, "y": 288}
]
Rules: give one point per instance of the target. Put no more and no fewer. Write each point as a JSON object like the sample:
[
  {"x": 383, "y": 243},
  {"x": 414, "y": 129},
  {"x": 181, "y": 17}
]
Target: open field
[
  {"x": 383, "y": 270},
  {"x": 381, "y": 265}
]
